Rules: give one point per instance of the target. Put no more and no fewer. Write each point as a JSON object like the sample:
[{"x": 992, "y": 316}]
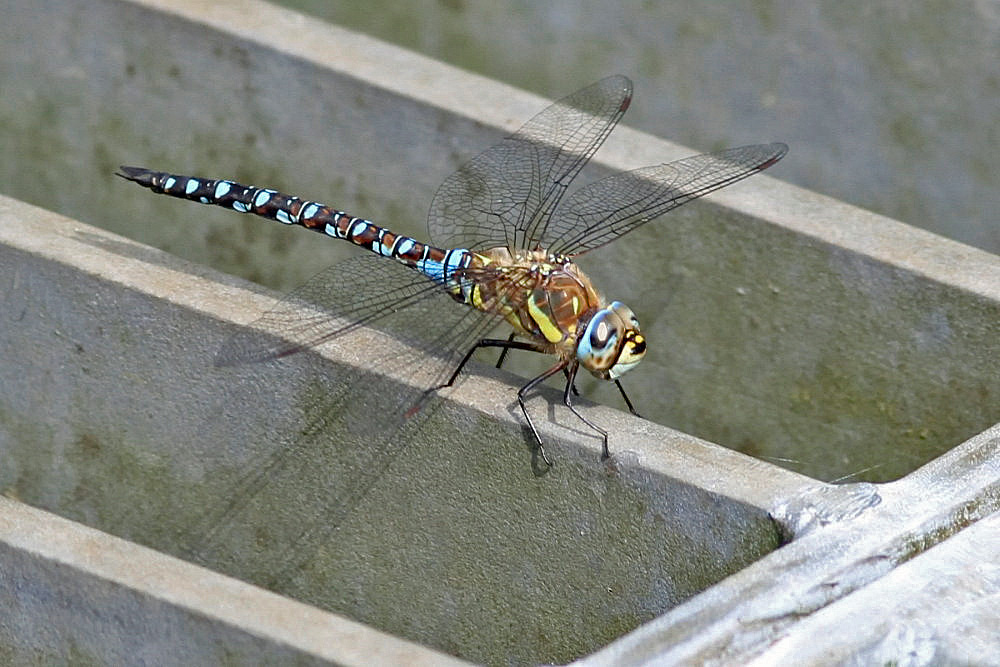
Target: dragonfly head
[{"x": 611, "y": 343}]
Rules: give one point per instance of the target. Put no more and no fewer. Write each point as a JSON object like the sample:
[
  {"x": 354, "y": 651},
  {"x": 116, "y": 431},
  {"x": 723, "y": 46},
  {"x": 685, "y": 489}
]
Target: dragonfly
[{"x": 504, "y": 239}]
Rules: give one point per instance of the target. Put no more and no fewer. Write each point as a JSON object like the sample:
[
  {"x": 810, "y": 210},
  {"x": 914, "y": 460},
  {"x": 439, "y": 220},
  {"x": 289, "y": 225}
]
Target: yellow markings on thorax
[
  {"x": 545, "y": 324},
  {"x": 477, "y": 297},
  {"x": 537, "y": 297}
]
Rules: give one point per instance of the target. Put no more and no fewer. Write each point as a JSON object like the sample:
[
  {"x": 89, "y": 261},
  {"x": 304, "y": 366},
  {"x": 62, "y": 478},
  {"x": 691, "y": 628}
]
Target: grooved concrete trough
[
  {"x": 810, "y": 340},
  {"x": 446, "y": 531}
]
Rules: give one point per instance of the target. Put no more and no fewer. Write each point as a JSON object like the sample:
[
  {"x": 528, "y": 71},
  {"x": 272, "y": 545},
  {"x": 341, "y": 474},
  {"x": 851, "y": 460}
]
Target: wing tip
[{"x": 777, "y": 151}]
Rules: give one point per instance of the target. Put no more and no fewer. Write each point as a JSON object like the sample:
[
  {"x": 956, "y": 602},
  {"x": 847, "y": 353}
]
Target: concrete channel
[{"x": 821, "y": 442}]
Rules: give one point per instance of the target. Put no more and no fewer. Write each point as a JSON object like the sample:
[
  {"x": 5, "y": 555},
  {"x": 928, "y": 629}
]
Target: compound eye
[
  {"x": 626, "y": 314},
  {"x": 601, "y": 334}
]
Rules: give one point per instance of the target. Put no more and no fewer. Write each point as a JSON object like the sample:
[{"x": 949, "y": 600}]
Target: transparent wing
[
  {"x": 310, "y": 473},
  {"x": 361, "y": 291},
  {"x": 605, "y": 210},
  {"x": 277, "y": 509},
  {"x": 506, "y": 195}
]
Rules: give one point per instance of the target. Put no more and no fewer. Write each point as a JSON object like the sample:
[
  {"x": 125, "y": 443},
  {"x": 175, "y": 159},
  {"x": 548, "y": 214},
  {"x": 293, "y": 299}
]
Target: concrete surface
[
  {"x": 446, "y": 531},
  {"x": 74, "y": 595},
  {"x": 890, "y": 105},
  {"x": 113, "y": 416},
  {"x": 783, "y": 324},
  {"x": 939, "y": 608},
  {"x": 898, "y": 573}
]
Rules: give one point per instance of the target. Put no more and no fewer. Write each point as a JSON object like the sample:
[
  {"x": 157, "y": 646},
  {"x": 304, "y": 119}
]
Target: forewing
[
  {"x": 358, "y": 291},
  {"x": 310, "y": 469},
  {"x": 506, "y": 195},
  {"x": 605, "y": 210},
  {"x": 368, "y": 291}
]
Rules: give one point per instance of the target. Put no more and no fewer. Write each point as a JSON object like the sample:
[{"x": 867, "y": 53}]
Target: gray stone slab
[
  {"x": 446, "y": 531},
  {"x": 891, "y": 106},
  {"x": 940, "y": 608},
  {"x": 781, "y": 324},
  {"x": 858, "y": 552},
  {"x": 74, "y": 595}
]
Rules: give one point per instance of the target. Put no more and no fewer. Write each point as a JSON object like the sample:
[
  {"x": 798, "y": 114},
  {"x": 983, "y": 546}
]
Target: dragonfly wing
[
  {"x": 367, "y": 291},
  {"x": 506, "y": 194},
  {"x": 356, "y": 292},
  {"x": 606, "y": 209},
  {"x": 305, "y": 479},
  {"x": 310, "y": 470}
]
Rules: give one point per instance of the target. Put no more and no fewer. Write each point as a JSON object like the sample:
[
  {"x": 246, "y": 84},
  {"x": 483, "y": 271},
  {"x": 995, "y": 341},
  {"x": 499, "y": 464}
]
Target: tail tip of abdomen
[{"x": 139, "y": 175}]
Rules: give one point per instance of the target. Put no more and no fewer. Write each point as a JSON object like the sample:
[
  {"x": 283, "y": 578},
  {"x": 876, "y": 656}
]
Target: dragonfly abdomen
[{"x": 436, "y": 263}]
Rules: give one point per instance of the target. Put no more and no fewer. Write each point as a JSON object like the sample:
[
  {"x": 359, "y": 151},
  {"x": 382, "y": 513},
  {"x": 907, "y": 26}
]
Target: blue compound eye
[
  {"x": 625, "y": 313},
  {"x": 602, "y": 334},
  {"x": 598, "y": 349}
]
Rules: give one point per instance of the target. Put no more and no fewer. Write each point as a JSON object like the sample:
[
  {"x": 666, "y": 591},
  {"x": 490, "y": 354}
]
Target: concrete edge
[
  {"x": 295, "y": 630},
  {"x": 940, "y": 606},
  {"x": 658, "y": 450},
  {"x": 738, "y": 619},
  {"x": 652, "y": 451},
  {"x": 858, "y": 231},
  {"x": 494, "y": 104}
]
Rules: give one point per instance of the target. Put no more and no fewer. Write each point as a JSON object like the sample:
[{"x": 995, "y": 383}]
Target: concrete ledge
[
  {"x": 108, "y": 328},
  {"x": 940, "y": 607},
  {"x": 73, "y": 593},
  {"x": 784, "y": 325},
  {"x": 863, "y": 552},
  {"x": 441, "y": 532}
]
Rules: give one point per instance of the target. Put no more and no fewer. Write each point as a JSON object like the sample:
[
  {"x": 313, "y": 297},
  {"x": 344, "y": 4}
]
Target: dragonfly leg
[
  {"x": 576, "y": 392},
  {"x": 621, "y": 389},
  {"x": 568, "y": 400},
  {"x": 534, "y": 382},
  {"x": 503, "y": 355},
  {"x": 506, "y": 348},
  {"x": 509, "y": 344}
]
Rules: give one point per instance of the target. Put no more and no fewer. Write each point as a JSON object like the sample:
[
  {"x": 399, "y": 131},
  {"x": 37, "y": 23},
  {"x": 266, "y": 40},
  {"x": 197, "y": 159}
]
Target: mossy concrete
[
  {"x": 444, "y": 529},
  {"x": 893, "y": 107},
  {"x": 782, "y": 324},
  {"x": 74, "y": 595}
]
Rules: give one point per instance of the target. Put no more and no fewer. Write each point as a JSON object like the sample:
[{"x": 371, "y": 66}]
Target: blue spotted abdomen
[{"x": 436, "y": 263}]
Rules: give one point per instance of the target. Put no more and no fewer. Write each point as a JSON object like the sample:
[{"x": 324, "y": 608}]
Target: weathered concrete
[
  {"x": 942, "y": 607},
  {"x": 783, "y": 324},
  {"x": 859, "y": 553},
  {"x": 71, "y": 594},
  {"x": 443, "y": 532},
  {"x": 891, "y": 106}
]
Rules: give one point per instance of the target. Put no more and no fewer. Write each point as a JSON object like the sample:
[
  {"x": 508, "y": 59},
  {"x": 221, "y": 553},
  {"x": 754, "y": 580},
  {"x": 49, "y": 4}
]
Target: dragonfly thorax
[
  {"x": 611, "y": 343},
  {"x": 546, "y": 297}
]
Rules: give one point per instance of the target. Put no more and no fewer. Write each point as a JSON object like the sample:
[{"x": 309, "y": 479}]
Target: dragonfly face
[{"x": 611, "y": 343}]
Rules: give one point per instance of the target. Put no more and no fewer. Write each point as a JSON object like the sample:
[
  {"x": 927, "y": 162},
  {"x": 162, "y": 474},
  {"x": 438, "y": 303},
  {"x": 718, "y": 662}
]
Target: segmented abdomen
[{"x": 436, "y": 263}]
